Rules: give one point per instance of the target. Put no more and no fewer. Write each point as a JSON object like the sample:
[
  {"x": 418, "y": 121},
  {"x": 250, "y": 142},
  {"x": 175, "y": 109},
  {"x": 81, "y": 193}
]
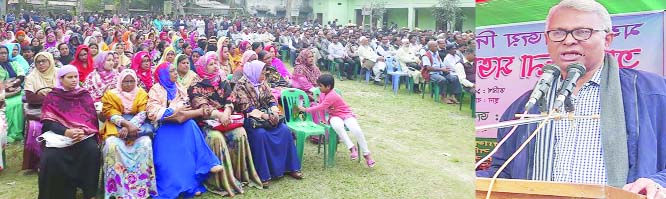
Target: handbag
[
  {"x": 236, "y": 122},
  {"x": 262, "y": 123}
]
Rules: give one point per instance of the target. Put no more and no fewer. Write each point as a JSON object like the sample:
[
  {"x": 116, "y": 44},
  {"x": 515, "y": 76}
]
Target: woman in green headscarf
[{"x": 13, "y": 76}]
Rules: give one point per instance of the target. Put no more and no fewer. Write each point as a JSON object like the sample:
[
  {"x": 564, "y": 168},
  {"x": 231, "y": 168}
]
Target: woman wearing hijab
[
  {"x": 180, "y": 170},
  {"x": 103, "y": 78},
  {"x": 127, "y": 153},
  {"x": 94, "y": 50},
  {"x": 75, "y": 40},
  {"x": 273, "y": 150},
  {"x": 68, "y": 113},
  {"x": 22, "y": 38},
  {"x": 119, "y": 49},
  {"x": 13, "y": 76},
  {"x": 305, "y": 72},
  {"x": 3, "y": 127},
  {"x": 186, "y": 77},
  {"x": 193, "y": 39},
  {"x": 277, "y": 63},
  {"x": 177, "y": 44},
  {"x": 168, "y": 56},
  {"x": 126, "y": 38},
  {"x": 100, "y": 41},
  {"x": 142, "y": 65},
  {"x": 196, "y": 55},
  {"x": 83, "y": 62},
  {"x": 50, "y": 41},
  {"x": 235, "y": 57},
  {"x": 248, "y": 56},
  {"x": 38, "y": 84},
  {"x": 16, "y": 58},
  {"x": 214, "y": 91}
]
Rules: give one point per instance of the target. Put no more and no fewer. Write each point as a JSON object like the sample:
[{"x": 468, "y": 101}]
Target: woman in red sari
[{"x": 83, "y": 62}]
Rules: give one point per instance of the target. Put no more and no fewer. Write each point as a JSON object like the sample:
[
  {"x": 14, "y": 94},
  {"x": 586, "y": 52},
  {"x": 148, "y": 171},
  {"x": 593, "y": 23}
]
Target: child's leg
[
  {"x": 339, "y": 127},
  {"x": 353, "y": 126}
]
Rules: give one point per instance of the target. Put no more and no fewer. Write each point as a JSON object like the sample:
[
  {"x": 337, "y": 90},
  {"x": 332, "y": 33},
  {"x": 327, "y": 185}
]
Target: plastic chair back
[{"x": 291, "y": 98}]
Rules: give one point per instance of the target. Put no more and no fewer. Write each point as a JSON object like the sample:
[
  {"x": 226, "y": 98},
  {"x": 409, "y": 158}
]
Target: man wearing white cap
[
  {"x": 370, "y": 59},
  {"x": 410, "y": 63}
]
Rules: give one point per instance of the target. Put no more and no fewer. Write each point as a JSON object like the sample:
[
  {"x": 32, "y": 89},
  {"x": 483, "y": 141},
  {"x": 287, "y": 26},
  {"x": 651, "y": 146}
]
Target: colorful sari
[
  {"x": 128, "y": 164},
  {"x": 13, "y": 105},
  {"x": 231, "y": 147},
  {"x": 273, "y": 150},
  {"x": 84, "y": 68},
  {"x": 190, "y": 77},
  {"x": 305, "y": 72},
  {"x": 179, "y": 171}
]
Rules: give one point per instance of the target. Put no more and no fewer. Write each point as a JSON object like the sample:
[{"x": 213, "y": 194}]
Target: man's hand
[{"x": 644, "y": 186}]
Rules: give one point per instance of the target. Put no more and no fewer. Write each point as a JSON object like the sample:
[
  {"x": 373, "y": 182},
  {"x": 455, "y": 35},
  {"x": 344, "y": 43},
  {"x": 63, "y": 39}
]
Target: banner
[{"x": 510, "y": 58}]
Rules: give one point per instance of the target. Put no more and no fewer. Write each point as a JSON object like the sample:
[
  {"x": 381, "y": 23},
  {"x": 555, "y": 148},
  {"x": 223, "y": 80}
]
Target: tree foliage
[
  {"x": 446, "y": 11},
  {"x": 92, "y": 5}
]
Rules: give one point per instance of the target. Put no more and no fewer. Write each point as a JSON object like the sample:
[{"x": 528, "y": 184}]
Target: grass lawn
[{"x": 423, "y": 149}]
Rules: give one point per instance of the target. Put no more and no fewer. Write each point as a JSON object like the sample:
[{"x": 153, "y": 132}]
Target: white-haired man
[
  {"x": 410, "y": 63},
  {"x": 370, "y": 60},
  {"x": 622, "y": 149}
]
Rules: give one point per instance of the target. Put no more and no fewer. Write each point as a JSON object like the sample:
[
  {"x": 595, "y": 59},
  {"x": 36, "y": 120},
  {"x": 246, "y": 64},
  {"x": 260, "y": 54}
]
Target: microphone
[
  {"x": 575, "y": 71},
  {"x": 550, "y": 72}
]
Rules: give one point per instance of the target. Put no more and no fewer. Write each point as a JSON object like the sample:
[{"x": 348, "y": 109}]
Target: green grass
[{"x": 423, "y": 149}]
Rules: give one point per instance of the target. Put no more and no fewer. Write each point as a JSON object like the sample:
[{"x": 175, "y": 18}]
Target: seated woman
[
  {"x": 273, "y": 149},
  {"x": 13, "y": 76},
  {"x": 273, "y": 77},
  {"x": 3, "y": 127},
  {"x": 186, "y": 77},
  {"x": 128, "y": 155},
  {"x": 248, "y": 56},
  {"x": 83, "y": 62},
  {"x": 277, "y": 63},
  {"x": 230, "y": 146},
  {"x": 141, "y": 64},
  {"x": 103, "y": 78},
  {"x": 68, "y": 113},
  {"x": 181, "y": 157},
  {"x": 305, "y": 72},
  {"x": 37, "y": 85}
]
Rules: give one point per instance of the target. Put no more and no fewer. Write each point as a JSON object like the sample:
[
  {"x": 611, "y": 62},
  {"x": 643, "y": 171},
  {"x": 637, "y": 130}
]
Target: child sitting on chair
[{"x": 340, "y": 116}]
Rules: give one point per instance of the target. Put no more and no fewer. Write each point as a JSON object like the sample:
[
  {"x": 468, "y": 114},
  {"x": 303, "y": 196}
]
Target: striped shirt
[{"x": 578, "y": 150}]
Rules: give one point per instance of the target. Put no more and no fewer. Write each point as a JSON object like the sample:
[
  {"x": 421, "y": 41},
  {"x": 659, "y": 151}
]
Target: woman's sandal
[{"x": 296, "y": 175}]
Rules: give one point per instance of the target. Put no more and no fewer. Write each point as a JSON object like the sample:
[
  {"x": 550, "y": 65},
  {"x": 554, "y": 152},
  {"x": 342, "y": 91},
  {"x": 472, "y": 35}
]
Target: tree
[
  {"x": 445, "y": 12},
  {"x": 92, "y": 5},
  {"x": 378, "y": 9}
]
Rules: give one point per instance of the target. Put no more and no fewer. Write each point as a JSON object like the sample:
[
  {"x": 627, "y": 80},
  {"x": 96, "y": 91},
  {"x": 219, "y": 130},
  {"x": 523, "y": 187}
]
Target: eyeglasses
[
  {"x": 41, "y": 61},
  {"x": 579, "y": 34}
]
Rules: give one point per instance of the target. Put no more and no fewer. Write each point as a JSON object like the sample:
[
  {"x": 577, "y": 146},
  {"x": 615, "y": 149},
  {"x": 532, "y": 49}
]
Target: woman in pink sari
[{"x": 277, "y": 63}]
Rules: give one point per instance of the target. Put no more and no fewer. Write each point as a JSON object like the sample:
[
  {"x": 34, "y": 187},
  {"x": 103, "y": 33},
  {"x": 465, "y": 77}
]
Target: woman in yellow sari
[
  {"x": 119, "y": 48},
  {"x": 127, "y": 153},
  {"x": 168, "y": 55}
]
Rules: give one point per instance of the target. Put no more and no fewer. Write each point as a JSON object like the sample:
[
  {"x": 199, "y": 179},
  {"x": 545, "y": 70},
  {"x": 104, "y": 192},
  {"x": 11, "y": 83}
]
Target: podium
[{"x": 528, "y": 189}]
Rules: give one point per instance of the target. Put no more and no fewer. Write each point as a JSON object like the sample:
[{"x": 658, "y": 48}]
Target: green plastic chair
[
  {"x": 301, "y": 124},
  {"x": 472, "y": 97},
  {"x": 332, "y": 135},
  {"x": 332, "y": 68}
]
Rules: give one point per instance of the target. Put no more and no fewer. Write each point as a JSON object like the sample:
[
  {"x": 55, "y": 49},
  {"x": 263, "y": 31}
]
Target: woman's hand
[
  {"x": 75, "y": 134},
  {"x": 132, "y": 131},
  {"x": 275, "y": 110},
  {"x": 223, "y": 118},
  {"x": 122, "y": 133}
]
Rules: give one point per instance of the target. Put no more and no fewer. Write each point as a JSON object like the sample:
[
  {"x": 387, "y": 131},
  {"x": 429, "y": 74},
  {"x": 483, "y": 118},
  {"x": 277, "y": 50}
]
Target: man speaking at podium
[{"x": 625, "y": 148}]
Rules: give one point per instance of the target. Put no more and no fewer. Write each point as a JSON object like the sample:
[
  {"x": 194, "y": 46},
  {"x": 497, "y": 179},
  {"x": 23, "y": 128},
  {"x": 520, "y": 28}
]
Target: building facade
[{"x": 405, "y": 13}]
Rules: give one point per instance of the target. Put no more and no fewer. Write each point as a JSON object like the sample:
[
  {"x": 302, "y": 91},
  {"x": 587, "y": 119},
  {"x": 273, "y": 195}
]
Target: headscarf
[
  {"x": 77, "y": 37},
  {"x": 72, "y": 109},
  {"x": 243, "y": 46},
  {"x": 124, "y": 60},
  {"x": 127, "y": 98},
  {"x": 164, "y": 36},
  {"x": 144, "y": 75},
  {"x": 50, "y": 44},
  {"x": 18, "y": 58},
  {"x": 166, "y": 52},
  {"x": 162, "y": 76},
  {"x": 107, "y": 75},
  {"x": 305, "y": 66},
  {"x": 26, "y": 39},
  {"x": 83, "y": 72},
  {"x": 62, "y": 72},
  {"x": 193, "y": 65},
  {"x": 253, "y": 70},
  {"x": 193, "y": 39},
  {"x": 235, "y": 59},
  {"x": 175, "y": 40},
  {"x": 126, "y": 39},
  {"x": 277, "y": 63},
  {"x": 37, "y": 80},
  {"x": 246, "y": 57},
  {"x": 189, "y": 76},
  {"x": 213, "y": 77}
]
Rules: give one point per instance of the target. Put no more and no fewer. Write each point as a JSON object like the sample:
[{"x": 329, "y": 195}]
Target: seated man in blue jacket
[{"x": 626, "y": 148}]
